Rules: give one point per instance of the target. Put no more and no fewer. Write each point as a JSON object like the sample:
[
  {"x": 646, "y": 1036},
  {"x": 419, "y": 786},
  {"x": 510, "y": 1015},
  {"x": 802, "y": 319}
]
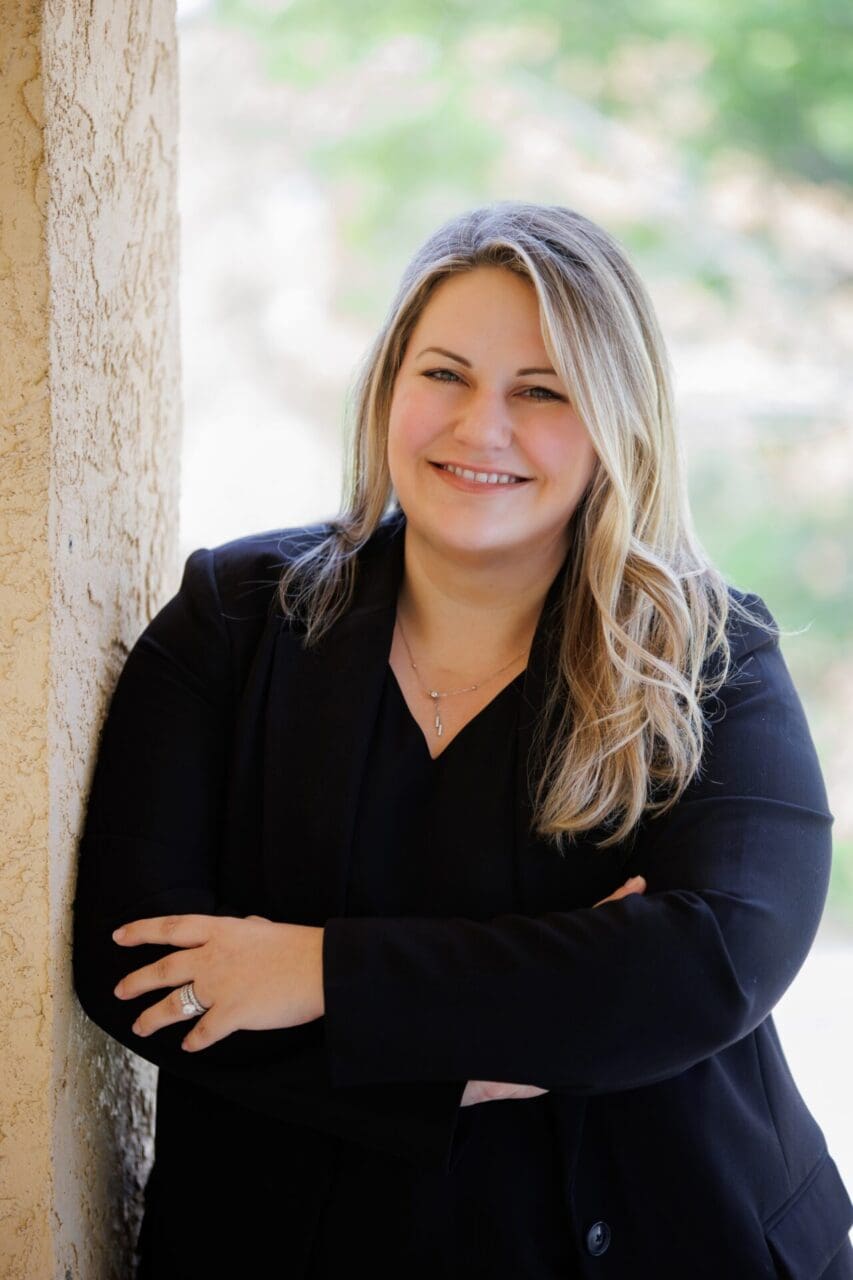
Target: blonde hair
[{"x": 643, "y": 610}]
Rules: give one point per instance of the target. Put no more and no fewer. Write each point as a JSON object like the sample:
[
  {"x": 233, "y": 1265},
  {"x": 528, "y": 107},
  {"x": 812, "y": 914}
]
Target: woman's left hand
[{"x": 254, "y": 974}]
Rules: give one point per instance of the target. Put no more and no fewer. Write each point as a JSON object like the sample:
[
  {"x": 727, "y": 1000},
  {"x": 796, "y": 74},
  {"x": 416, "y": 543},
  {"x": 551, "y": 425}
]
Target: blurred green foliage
[{"x": 775, "y": 74}]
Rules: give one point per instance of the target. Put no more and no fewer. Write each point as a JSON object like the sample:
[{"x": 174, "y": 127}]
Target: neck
[{"x": 463, "y": 617}]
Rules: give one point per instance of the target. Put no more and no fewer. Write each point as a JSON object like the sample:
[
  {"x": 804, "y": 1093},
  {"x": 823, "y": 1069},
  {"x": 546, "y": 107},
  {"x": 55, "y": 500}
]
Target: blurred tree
[{"x": 772, "y": 76}]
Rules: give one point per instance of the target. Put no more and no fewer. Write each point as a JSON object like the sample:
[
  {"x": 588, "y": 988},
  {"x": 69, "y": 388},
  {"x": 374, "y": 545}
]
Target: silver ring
[{"x": 191, "y": 1006}]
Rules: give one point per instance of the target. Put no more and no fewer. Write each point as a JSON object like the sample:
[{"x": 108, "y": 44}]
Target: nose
[{"x": 485, "y": 422}]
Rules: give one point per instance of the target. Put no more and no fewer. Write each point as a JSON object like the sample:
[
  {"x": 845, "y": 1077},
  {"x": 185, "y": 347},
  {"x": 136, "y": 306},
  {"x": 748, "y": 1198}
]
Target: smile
[{"x": 470, "y": 480}]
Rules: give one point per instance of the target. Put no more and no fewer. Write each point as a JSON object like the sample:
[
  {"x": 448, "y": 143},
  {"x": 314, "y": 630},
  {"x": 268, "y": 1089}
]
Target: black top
[{"x": 434, "y": 837}]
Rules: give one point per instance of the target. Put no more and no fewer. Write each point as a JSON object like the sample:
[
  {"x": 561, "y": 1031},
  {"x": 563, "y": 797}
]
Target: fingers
[
  {"x": 179, "y": 931},
  {"x": 195, "y": 962},
  {"x": 497, "y": 1091},
  {"x": 636, "y": 884},
  {"x": 470, "y": 1094},
  {"x": 517, "y": 1091},
  {"x": 167, "y": 1011},
  {"x": 169, "y": 971},
  {"x": 208, "y": 1029},
  {"x": 173, "y": 970}
]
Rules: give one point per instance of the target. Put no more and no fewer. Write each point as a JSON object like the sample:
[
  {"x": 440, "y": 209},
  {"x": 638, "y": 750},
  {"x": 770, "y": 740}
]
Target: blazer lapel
[
  {"x": 321, "y": 712},
  {"x": 322, "y": 707},
  {"x": 541, "y": 872},
  {"x": 546, "y": 879}
]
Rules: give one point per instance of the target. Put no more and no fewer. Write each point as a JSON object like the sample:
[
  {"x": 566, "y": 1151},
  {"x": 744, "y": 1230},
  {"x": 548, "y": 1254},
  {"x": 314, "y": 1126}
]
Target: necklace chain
[{"x": 435, "y": 694}]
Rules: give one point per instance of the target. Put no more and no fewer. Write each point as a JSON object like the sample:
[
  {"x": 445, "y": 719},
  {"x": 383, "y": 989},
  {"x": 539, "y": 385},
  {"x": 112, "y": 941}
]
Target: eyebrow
[{"x": 467, "y": 363}]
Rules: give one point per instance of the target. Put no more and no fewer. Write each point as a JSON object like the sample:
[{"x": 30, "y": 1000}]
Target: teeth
[{"x": 480, "y": 477}]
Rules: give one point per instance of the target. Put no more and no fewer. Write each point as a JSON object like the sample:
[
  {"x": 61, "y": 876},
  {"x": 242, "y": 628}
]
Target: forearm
[
  {"x": 588, "y": 1001},
  {"x": 282, "y": 1073},
  {"x": 601, "y": 999}
]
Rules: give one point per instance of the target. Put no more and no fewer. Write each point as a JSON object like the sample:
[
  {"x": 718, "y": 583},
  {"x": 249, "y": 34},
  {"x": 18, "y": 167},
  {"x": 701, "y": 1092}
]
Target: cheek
[
  {"x": 567, "y": 453},
  {"x": 411, "y": 425}
]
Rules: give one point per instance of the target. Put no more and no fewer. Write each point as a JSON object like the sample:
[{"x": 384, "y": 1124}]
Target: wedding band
[{"x": 190, "y": 1003}]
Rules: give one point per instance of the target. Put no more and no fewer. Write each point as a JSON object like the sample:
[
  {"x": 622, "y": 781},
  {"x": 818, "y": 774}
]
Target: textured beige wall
[{"x": 90, "y": 420}]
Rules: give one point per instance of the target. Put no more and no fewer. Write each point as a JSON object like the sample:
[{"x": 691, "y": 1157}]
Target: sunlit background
[{"x": 320, "y": 144}]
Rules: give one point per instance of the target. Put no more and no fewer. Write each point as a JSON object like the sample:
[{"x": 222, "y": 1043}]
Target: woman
[{"x": 368, "y": 802}]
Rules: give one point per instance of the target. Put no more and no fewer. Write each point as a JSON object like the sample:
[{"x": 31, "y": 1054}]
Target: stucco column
[{"x": 90, "y": 420}]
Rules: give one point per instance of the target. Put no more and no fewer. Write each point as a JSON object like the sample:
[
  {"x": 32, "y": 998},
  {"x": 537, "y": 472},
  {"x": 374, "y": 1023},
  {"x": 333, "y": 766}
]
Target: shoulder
[
  {"x": 247, "y": 569},
  {"x": 754, "y": 654},
  {"x": 750, "y": 625}
]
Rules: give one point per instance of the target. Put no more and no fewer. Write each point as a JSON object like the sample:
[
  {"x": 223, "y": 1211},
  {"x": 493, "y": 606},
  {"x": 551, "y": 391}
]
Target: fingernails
[{"x": 118, "y": 933}]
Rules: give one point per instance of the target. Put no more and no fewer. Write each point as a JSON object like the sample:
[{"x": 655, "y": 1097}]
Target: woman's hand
[
  {"x": 253, "y": 974},
  {"x": 494, "y": 1090}
]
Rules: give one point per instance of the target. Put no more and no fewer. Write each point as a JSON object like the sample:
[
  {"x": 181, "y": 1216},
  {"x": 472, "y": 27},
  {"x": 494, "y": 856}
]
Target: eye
[{"x": 549, "y": 394}]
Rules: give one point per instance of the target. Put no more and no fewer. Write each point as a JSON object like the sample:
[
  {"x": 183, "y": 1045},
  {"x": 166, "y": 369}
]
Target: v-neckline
[{"x": 468, "y": 724}]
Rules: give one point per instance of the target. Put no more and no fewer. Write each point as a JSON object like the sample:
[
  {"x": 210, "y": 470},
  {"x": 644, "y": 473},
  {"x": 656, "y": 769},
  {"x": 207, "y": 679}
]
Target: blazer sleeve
[
  {"x": 634, "y": 991},
  {"x": 150, "y": 846}
]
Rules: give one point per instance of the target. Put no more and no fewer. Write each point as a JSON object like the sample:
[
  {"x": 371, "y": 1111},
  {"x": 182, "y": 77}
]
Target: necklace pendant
[{"x": 439, "y": 727}]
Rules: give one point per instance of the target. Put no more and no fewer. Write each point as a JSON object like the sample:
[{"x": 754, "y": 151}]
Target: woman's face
[{"x": 485, "y": 402}]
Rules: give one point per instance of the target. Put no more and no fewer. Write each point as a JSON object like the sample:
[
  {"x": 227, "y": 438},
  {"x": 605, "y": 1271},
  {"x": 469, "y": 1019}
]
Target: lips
[{"x": 442, "y": 465}]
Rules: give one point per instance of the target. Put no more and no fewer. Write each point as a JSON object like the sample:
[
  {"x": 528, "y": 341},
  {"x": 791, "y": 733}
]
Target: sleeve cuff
[{"x": 436, "y": 1123}]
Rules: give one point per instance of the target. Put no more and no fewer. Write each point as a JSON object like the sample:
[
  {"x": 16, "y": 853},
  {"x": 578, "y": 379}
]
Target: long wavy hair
[{"x": 643, "y": 611}]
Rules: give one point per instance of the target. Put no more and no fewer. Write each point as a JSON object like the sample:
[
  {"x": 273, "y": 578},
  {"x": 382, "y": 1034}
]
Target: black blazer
[{"x": 226, "y": 782}]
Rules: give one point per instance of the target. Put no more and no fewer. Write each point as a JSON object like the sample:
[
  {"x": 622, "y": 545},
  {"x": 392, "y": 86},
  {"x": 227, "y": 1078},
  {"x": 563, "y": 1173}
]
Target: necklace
[{"x": 435, "y": 694}]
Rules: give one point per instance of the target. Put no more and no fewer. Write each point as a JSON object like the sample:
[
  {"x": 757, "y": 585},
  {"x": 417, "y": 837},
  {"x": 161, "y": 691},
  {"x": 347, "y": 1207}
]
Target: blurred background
[{"x": 322, "y": 142}]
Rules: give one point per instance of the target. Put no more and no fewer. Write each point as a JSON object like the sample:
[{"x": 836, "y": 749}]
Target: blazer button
[{"x": 598, "y": 1238}]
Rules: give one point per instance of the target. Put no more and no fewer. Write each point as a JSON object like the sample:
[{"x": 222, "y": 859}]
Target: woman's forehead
[{"x": 477, "y": 308}]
